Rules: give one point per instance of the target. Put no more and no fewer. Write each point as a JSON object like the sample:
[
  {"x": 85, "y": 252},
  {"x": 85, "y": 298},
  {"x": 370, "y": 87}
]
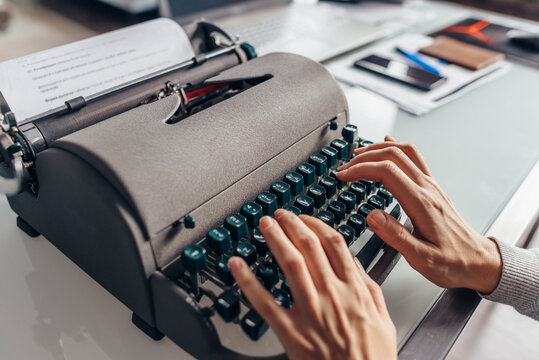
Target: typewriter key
[
  {"x": 377, "y": 201},
  {"x": 308, "y": 172},
  {"x": 218, "y": 239},
  {"x": 253, "y": 325},
  {"x": 237, "y": 225},
  {"x": 330, "y": 184},
  {"x": 365, "y": 209},
  {"x": 349, "y": 200},
  {"x": 252, "y": 212},
  {"x": 320, "y": 163},
  {"x": 228, "y": 305},
  {"x": 359, "y": 190},
  {"x": 246, "y": 251},
  {"x": 331, "y": 154}
]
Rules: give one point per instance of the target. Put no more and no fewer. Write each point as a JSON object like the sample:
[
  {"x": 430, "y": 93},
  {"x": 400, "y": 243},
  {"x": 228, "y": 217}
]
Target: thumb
[{"x": 395, "y": 235}]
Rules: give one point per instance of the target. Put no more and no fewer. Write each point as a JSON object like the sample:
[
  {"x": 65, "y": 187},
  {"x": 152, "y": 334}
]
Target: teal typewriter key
[
  {"x": 223, "y": 272},
  {"x": 369, "y": 184},
  {"x": 260, "y": 243},
  {"x": 308, "y": 172},
  {"x": 350, "y": 133},
  {"x": 320, "y": 163},
  {"x": 281, "y": 297},
  {"x": 331, "y": 154},
  {"x": 237, "y": 225},
  {"x": 194, "y": 258},
  {"x": 218, "y": 239},
  {"x": 228, "y": 305},
  {"x": 365, "y": 143},
  {"x": 293, "y": 209},
  {"x": 377, "y": 201},
  {"x": 358, "y": 223},
  {"x": 327, "y": 217},
  {"x": 330, "y": 184},
  {"x": 365, "y": 209},
  {"x": 268, "y": 201},
  {"x": 252, "y": 212},
  {"x": 249, "y": 50},
  {"x": 341, "y": 146},
  {"x": 338, "y": 209},
  {"x": 340, "y": 183},
  {"x": 386, "y": 195},
  {"x": 305, "y": 204},
  {"x": 282, "y": 191},
  {"x": 318, "y": 194},
  {"x": 295, "y": 181},
  {"x": 359, "y": 190},
  {"x": 268, "y": 274},
  {"x": 246, "y": 251},
  {"x": 349, "y": 200},
  {"x": 347, "y": 232},
  {"x": 189, "y": 222},
  {"x": 253, "y": 325}
]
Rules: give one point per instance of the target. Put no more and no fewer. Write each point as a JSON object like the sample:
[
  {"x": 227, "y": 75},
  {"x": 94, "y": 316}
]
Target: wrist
[{"x": 489, "y": 268}]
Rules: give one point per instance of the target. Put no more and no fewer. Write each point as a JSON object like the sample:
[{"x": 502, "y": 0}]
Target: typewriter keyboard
[{"x": 313, "y": 189}]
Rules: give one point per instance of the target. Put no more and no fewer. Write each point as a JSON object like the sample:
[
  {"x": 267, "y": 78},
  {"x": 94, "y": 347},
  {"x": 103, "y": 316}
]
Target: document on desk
[
  {"x": 38, "y": 83},
  {"x": 418, "y": 102}
]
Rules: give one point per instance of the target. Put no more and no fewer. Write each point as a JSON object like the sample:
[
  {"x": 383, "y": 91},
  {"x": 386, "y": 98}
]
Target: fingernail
[
  {"x": 235, "y": 264},
  {"x": 377, "y": 219},
  {"x": 279, "y": 213},
  {"x": 265, "y": 223}
]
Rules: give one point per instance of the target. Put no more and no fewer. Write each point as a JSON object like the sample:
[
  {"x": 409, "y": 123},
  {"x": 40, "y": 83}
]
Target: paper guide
[{"x": 43, "y": 81}]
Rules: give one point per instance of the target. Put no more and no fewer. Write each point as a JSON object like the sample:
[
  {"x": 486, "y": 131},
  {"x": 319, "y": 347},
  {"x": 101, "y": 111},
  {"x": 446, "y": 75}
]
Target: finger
[
  {"x": 393, "y": 154},
  {"x": 334, "y": 246},
  {"x": 290, "y": 260},
  {"x": 374, "y": 289},
  {"x": 394, "y": 180},
  {"x": 274, "y": 314},
  {"x": 409, "y": 149},
  {"x": 389, "y": 138},
  {"x": 309, "y": 246},
  {"x": 397, "y": 236}
]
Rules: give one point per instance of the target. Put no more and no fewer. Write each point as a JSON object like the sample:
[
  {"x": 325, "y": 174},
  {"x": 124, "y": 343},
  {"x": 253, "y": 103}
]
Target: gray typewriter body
[{"x": 112, "y": 182}]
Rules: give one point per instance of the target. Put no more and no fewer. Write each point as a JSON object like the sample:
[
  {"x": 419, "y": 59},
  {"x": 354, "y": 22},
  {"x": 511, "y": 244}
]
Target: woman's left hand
[{"x": 338, "y": 311}]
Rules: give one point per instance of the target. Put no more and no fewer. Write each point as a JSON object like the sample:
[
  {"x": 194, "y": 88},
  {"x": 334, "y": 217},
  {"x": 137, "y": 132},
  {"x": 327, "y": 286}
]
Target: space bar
[{"x": 367, "y": 254}]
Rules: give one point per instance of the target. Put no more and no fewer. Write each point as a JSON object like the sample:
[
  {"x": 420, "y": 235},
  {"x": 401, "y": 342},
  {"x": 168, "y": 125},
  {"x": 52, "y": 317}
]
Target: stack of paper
[{"x": 418, "y": 102}]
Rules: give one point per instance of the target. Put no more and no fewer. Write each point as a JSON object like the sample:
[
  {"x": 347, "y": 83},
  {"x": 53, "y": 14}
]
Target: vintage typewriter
[{"x": 152, "y": 187}]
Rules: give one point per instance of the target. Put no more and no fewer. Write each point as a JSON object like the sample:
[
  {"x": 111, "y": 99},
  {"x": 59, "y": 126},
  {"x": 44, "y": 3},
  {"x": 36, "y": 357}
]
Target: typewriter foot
[
  {"x": 147, "y": 329},
  {"x": 24, "y": 226}
]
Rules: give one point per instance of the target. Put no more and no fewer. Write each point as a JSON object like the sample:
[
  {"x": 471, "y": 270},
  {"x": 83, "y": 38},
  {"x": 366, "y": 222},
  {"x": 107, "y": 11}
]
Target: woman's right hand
[{"x": 443, "y": 248}]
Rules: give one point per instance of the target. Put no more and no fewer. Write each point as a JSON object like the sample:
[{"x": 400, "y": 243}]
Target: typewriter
[{"x": 152, "y": 187}]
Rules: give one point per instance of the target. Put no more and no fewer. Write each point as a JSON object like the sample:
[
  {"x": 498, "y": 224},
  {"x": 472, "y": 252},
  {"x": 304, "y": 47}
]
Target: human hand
[
  {"x": 443, "y": 248},
  {"x": 338, "y": 310}
]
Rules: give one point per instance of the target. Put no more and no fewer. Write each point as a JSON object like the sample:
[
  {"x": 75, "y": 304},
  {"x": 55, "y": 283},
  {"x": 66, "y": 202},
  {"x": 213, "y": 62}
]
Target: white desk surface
[{"x": 479, "y": 147}]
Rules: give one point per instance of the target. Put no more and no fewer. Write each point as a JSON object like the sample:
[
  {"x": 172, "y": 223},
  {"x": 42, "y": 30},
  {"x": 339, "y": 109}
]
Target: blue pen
[{"x": 418, "y": 61}]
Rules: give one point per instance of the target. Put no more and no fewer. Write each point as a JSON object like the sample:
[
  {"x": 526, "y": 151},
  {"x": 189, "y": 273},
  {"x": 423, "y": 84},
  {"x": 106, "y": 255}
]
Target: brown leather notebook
[{"x": 460, "y": 53}]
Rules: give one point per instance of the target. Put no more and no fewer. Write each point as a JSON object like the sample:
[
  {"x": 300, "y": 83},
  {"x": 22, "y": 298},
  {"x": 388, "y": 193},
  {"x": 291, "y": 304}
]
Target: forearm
[{"x": 519, "y": 283}]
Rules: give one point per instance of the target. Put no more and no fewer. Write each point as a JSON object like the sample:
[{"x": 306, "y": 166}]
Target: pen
[{"x": 418, "y": 61}]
